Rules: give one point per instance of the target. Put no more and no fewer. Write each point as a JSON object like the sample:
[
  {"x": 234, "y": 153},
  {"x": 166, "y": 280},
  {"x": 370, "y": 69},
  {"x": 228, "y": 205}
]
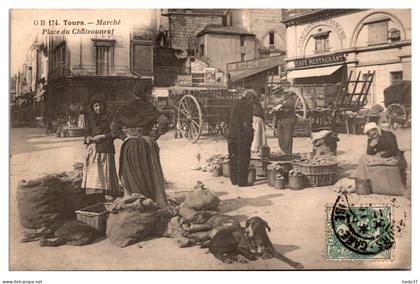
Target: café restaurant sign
[{"x": 327, "y": 59}]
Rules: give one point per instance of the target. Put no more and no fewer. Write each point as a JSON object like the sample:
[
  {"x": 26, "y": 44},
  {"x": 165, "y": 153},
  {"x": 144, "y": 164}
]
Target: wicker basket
[
  {"x": 321, "y": 179},
  {"x": 320, "y": 175},
  {"x": 95, "y": 216}
]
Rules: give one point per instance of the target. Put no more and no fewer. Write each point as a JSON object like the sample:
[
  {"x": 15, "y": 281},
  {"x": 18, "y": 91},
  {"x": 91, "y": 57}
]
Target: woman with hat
[
  {"x": 382, "y": 149},
  {"x": 99, "y": 172},
  {"x": 140, "y": 170}
]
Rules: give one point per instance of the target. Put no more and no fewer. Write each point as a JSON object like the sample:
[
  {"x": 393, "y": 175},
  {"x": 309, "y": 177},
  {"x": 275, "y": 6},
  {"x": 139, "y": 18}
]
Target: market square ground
[{"x": 297, "y": 218}]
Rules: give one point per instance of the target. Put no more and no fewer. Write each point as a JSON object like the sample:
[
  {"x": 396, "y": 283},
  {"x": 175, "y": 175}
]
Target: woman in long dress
[
  {"x": 99, "y": 172},
  {"x": 140, "y": 170}
]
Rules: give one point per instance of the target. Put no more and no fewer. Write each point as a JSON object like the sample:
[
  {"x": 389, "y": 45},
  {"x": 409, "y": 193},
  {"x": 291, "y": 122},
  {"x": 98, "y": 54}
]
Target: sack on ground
[
  {"x": 39, "y": 202},
  {"x": 195, "y": 216},
  {"x": 202, "y": 199},
  {"x": 126, "y": 228}
]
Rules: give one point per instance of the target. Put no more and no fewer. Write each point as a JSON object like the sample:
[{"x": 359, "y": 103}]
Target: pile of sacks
[
  {"x": 192, "y": 223},
  {"x": 51, "y": 198},
  {"x": 134, "y": 218}
]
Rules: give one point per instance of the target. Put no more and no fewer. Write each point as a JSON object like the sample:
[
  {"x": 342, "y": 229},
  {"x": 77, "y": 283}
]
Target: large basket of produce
[{"x": 320, "y": 170}]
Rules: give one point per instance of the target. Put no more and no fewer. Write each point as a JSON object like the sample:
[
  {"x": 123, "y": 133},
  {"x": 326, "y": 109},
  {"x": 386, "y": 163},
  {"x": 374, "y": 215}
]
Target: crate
[
  {"x": 303, "y": 128},
  {"x": 95, "y": 216}
]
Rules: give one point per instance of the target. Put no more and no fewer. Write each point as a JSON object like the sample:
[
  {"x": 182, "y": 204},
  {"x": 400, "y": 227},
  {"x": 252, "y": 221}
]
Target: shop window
[
  {"x": 242, "y": 40},
  {"x": 197, "y": 79},
  {"x": 242, "y": 56},
  {"x": 271, "y": 38},
  {"x": 378, "y": 32},
  {"x": 396, "y": 76}
]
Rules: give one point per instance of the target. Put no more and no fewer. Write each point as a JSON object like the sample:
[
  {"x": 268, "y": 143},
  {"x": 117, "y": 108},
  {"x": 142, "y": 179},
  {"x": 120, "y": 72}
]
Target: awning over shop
[{"x": 313, "y": 72}]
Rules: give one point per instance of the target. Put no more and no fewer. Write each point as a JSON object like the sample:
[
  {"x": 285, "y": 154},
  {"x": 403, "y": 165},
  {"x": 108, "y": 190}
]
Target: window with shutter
[
  {"x": 378, "y": 32},
  {"x": 142, "y": 58},
  {"x": 104, "y": 56}
]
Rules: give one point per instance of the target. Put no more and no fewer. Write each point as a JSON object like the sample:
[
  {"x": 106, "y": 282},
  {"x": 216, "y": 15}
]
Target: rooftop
[{"x": 220, "y": 29}]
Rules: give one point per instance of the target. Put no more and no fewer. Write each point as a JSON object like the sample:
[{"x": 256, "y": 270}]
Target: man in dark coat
[
  {"x": 285, "y": 122},
  {"x": 240, "y": 137}
]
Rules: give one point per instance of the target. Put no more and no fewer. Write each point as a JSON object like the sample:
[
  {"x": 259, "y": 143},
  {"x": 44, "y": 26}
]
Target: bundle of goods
[
  {"x": 319, "y": 170},
  {"x": 134, "y": 218},
  {"x": 218, "y": 159},
  {"x": 191, "y": 225}
]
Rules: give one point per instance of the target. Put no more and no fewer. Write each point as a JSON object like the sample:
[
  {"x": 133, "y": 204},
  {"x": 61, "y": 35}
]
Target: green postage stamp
[{"x": 358, "y": 232}]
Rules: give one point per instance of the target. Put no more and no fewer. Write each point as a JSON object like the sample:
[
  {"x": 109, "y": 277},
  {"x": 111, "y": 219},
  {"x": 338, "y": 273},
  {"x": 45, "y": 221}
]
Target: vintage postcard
[{"x": 210, "y": 139}]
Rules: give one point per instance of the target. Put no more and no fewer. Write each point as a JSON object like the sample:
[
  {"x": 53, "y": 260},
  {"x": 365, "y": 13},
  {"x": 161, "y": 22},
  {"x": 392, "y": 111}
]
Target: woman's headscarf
[
  {"x": 371, "y": 125},
  {"x": 251, "y": 95}
]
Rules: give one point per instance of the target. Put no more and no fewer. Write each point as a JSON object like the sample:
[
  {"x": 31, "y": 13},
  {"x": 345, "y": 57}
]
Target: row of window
[{"x": 378, "y": 33}]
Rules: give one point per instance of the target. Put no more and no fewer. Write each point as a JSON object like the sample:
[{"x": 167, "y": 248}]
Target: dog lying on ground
[
  {"x": 203, "y": 233},
  {"x": 245, "y": 244},
  {"x": 74, "y": 232}
]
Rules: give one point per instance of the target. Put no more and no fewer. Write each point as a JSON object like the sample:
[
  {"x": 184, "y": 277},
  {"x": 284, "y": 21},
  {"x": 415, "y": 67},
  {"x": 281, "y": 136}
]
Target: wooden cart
[
  {"x": 197, "y": 109},
  {"x": 328, "y": 104},
  {"x": 397, "y": 99}
]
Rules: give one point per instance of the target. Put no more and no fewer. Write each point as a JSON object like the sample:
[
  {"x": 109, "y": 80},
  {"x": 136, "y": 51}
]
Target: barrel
[
  {"x": 279, "y": 183},
  {"x": 296, "y": 182}
]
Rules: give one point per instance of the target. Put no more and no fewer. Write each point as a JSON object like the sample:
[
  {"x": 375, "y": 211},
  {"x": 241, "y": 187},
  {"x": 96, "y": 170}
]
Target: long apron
[
  {"x": 99, "y": 173},
  {"x": 140, "y": 169}
]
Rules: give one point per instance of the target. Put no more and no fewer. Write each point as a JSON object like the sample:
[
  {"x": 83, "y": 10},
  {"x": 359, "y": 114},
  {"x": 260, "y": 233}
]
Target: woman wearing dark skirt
[
  {"x": 140, "y": 170},
  {"x": 99, "y": 172}
]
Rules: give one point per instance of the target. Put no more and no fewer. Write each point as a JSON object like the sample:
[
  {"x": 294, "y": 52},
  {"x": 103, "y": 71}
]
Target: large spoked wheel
[
  {"x": 395, "y": 115},
  {"x": 190, "y": 117},
  {"x": 301, "y": 108}
]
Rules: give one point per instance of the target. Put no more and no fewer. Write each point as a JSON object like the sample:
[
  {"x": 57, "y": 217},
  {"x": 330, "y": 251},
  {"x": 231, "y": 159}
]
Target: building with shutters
[
  {"x": 236, "y": 42},
  {"x": 105, "y": 65},
  {"x": 325, "y": 45}
]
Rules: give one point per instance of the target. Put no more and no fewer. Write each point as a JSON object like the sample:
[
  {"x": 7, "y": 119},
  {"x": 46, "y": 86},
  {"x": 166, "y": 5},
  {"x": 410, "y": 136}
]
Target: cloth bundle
[{"x": 134, "y": 218}]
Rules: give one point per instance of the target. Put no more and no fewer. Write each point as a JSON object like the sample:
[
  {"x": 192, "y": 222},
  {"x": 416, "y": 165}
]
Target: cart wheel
[
  {"x": 301, "y": 108},
  {"x": 190, "y": 118},
  {"x": 395, "y": 115}
]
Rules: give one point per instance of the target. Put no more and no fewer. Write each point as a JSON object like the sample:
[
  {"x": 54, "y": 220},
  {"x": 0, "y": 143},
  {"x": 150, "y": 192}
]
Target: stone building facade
[{"x": 325, "y": 45}]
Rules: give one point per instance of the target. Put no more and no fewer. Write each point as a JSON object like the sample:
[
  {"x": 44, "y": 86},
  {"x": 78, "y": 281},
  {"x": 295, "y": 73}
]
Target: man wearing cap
[
  {"x": 285, "y": 121},
  {"x": 240, "y": 135}
]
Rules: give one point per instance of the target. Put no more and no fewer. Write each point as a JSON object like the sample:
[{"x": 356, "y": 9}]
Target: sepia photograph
[{"x": 210, "y": 139}]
